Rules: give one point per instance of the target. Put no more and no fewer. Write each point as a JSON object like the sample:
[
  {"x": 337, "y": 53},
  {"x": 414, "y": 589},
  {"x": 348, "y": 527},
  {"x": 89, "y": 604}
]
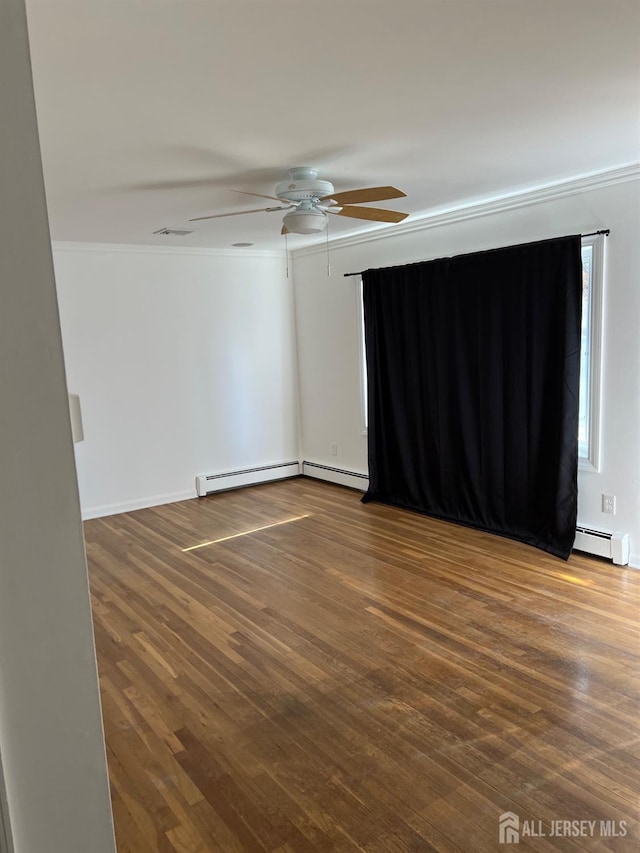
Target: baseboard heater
[
  {"x": 613, "y": 546},
  {"x": 336, "y": 475},
  {"x": 208, "y": 483},
  {"x": 600, "y": 543}
]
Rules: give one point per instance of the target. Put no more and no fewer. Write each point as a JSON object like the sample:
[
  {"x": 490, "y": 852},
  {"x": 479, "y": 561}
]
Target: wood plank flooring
[{"x": 286, "y": 669}]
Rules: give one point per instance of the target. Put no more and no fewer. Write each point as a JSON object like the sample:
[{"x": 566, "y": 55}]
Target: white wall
[
  {"x": 328, "y": 314},
  {"x": 51, "y": 741},
  {"x": 184, "y": 361}
]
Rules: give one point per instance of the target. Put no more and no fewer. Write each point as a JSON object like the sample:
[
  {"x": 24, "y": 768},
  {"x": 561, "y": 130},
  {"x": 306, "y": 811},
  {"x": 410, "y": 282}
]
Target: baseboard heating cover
[
  {"x": 336, "y": 475},
  {"x": 208, "y": 483},
  {"x": 613, "y": 546}
]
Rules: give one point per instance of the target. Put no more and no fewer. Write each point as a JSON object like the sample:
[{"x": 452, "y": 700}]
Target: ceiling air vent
[{"x": 178, "y": 232}]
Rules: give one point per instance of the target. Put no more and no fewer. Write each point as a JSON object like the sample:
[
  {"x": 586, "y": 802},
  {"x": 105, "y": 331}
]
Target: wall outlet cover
[{"x": 609, "y": 504}]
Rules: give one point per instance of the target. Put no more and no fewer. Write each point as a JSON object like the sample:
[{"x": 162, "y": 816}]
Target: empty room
[{"x": 320, "y": 385}]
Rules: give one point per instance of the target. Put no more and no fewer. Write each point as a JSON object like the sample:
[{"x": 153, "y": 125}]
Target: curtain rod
[{"x": 605, "y": 231}]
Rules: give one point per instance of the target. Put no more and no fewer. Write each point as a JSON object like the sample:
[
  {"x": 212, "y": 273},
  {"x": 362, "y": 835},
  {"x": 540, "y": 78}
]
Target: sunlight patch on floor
[
  {"x": 574, "y": 579},
  {"x": 246, "y": 532}
]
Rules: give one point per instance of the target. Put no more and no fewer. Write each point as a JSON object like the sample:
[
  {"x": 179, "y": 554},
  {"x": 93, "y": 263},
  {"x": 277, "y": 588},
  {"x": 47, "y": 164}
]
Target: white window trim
[
  {"x": 591, "y": 461},
  {"x": 362, "y": 362}
]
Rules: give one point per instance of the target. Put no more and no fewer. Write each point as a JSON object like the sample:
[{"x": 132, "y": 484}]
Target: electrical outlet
[
  {"x": 609, "y": 504},
  {"x": 334, "y": 449}
]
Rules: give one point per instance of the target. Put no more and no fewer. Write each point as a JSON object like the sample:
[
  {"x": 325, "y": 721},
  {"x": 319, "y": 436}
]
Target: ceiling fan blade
[
  {"x": 257, "y": 195},
  {"x": 241, "y": 213},
  {"x": 366, "y": 194},
  {"x": 376, "y": 214}
]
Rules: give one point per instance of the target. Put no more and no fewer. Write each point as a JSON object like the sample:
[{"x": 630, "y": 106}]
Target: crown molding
[
  {"x": 471, "y": 209},
  {"x": 474, "y": 209},
  {"x": 132, "y": 249}
]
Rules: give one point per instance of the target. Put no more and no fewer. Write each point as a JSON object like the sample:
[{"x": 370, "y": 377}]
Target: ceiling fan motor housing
[
  {"x": 303, "y": 185},
  {"x": 303, "y": 190}
]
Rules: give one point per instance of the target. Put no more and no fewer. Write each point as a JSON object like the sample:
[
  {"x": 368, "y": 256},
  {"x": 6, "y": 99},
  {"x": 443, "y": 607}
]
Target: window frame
[
  {"x": 589, "y": 460},
  {"x": 362, "y": 362}
]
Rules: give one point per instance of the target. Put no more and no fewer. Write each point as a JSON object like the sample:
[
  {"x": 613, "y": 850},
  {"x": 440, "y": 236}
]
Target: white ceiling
[{"x": 152, "y": 111}]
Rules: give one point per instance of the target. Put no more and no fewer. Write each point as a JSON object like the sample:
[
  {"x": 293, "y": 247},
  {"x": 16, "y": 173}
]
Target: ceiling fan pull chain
[
  {"x": 328, "y": 258},
  {"x": 286, "y": 252}
]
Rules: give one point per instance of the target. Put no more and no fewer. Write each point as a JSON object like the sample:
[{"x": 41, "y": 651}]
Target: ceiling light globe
[{"x": 305, "y": 221}]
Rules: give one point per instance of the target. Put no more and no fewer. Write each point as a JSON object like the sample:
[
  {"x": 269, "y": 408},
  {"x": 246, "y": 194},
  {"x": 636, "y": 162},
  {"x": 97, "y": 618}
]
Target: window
[
  {"x": 589, "y": 412},
  {"x": 590, "y": 349},
  {"x": 364, "y": 400}
]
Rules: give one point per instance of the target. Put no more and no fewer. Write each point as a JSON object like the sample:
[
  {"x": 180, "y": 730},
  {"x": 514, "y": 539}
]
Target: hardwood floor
[{"x": 286, "y": 669}]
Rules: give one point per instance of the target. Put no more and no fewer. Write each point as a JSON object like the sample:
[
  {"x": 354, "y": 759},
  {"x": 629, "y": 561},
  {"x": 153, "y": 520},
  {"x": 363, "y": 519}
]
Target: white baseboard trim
[
  {"x": 336, "y": 475},
  {"x": 634, "y": 561},
  {"x": 131, "y": 506}
]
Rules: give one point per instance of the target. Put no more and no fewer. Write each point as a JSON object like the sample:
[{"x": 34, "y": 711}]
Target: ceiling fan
[{"x": 310, "y": 200}]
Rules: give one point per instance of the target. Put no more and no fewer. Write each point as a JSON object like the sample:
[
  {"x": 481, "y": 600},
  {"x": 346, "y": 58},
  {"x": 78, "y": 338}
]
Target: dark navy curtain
[{"x": 473, "y": 368}]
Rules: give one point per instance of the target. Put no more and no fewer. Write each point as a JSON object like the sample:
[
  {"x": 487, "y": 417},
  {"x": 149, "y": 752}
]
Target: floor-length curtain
[{"x": 473, "y": 367}]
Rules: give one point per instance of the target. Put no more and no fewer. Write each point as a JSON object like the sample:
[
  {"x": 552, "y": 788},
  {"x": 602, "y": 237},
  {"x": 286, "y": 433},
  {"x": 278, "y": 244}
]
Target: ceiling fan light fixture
[{"x": 305, "y": 221}]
